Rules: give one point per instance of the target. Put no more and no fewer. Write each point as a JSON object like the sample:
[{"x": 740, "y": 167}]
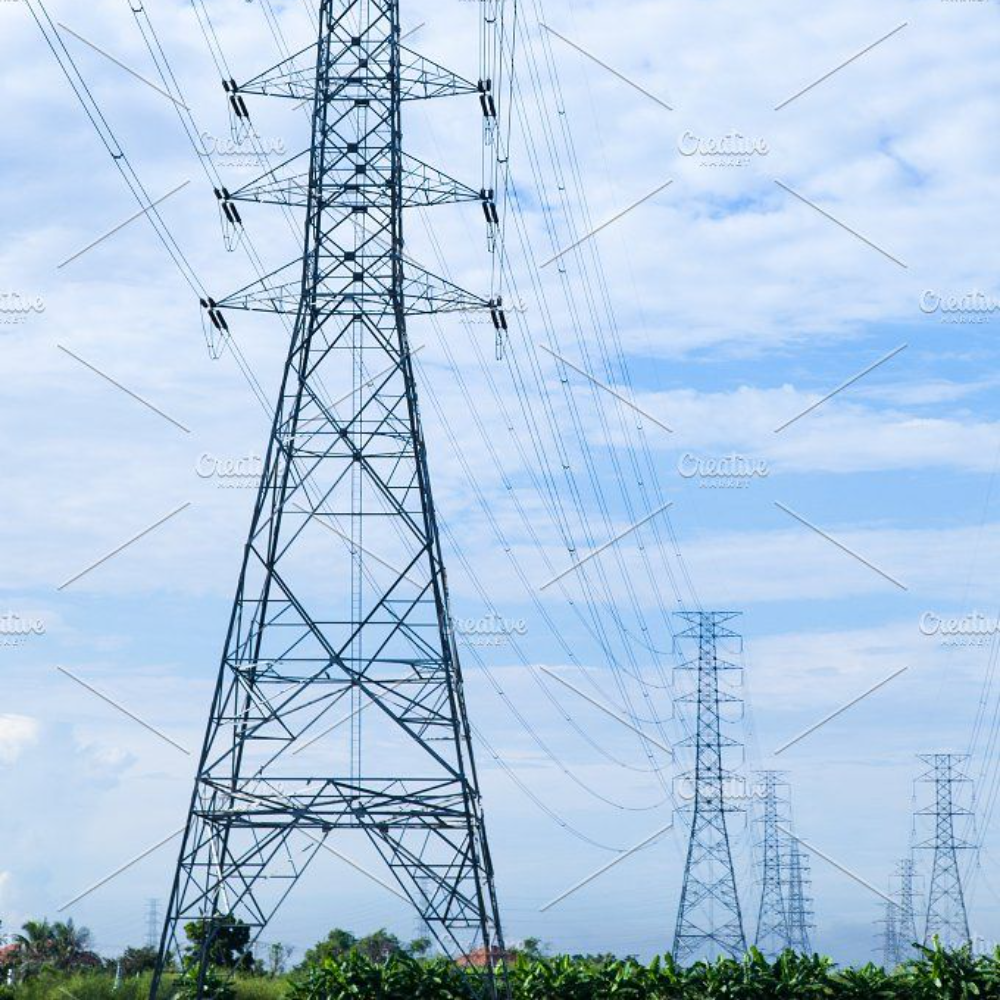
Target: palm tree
[{"x": 57, "y": 945}]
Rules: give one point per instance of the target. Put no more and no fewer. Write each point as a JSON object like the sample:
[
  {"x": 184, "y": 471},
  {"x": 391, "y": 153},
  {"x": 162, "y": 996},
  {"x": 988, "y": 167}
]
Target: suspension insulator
[
  {"x": 232, "y": 212},
  {"x": 486, "y": 98},
  {"x": 498, "y": 315},
  {"x": 215, "y": 315},
  {"x": 490, "y": 207},
  {"x": 236, "y": 101}
]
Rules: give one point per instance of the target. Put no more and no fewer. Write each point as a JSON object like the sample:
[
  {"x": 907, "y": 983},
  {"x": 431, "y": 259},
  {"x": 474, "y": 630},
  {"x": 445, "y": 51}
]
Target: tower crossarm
[
  {"x": 289, "y": 184},
  {"x": 346, "y": 286},
  {"x": 294, "y": 78}
]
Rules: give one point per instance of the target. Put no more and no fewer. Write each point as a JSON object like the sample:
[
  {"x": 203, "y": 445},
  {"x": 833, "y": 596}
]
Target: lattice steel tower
[
  {"x": 153, "y": 924},
  {"x": 890, "y": 935},
  {"x": 709, "y": 919},
  {"x": 906, "y": 923},
  {"x": 773, "y": 930},
  {"x": 899, "y": 934},
  {"x": 339, "y": 705},
  {"x": 946, "y": 913},
  {"x": 800, "y": 911}
]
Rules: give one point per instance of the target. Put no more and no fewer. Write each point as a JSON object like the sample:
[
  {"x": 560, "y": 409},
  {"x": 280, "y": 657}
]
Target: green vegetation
[
  {"x": 936, "y": 975},
  {"x": 53, "y": 962}
]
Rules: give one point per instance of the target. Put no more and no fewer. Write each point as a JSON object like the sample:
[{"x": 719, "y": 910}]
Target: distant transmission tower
[
  {"x": 890, "y": 936},
  {"x": 800, "y": 912},
  {"x": 773, "y": 930},
  {"x": 900, "y": 923},
  {"x": 709, "y": 919},
  {"x": 947, "y": 917},
  {"x": 906, "y": 873},
  {"x": 339, "y": 705},
  {"x": 152, "y": 923}
]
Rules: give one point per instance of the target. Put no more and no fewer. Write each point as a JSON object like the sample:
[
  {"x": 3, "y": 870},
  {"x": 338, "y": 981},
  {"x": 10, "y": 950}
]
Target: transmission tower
[
  {"x": 890, "y": 935},
  {"x": 773, "y": 930},
  {"x": 947, "y": 918},
  {"x": 342, "y": 604},
  {"x": 800, "y": 912},
  {"x": 906, "y": 874},
  {"x": 899, "y": 934},
  {"x": 709, "y": 919},
  {"x": 152, "y": 923}
]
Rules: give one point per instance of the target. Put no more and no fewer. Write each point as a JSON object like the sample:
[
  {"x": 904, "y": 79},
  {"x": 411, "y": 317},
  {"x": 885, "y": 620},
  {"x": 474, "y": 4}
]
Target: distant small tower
[
  {"x": 773, "y": 928},
  {"x": 906, "y": 935},
  {"x": 153, "y": 924},
  {"x": 899, "y": 934},
  {"x": 709, "y": 918},
  {"x": 947, "y": 917},
  {"x": 800, "y": 912},
  {"x": 890, "y": 935}
]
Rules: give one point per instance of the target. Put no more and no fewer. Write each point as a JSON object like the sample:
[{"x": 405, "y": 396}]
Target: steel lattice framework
[
  {"x": 947, "y": 917},
  {"x": 773, "y": 930},
  {"x": 890, "y": 935},
  {"x": 709, "y": 919},
  {"x": 339, "y": 704},
  {"x": 906, "y": 917},
  {"x": 900, "y": 932},
  {"x": 800, "y": 912}
]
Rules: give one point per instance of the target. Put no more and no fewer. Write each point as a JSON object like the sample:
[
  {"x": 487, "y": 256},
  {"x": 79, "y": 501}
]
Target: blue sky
[{"x": 735, "y": 304}]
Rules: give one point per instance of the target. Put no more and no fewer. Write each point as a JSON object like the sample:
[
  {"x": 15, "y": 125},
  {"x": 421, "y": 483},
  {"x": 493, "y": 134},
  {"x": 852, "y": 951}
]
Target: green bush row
[{"x": 936, "y": 974}]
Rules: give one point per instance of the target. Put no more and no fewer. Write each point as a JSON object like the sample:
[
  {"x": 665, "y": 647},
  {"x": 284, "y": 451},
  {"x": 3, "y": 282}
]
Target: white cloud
[{"x": 17, "y": 733}]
